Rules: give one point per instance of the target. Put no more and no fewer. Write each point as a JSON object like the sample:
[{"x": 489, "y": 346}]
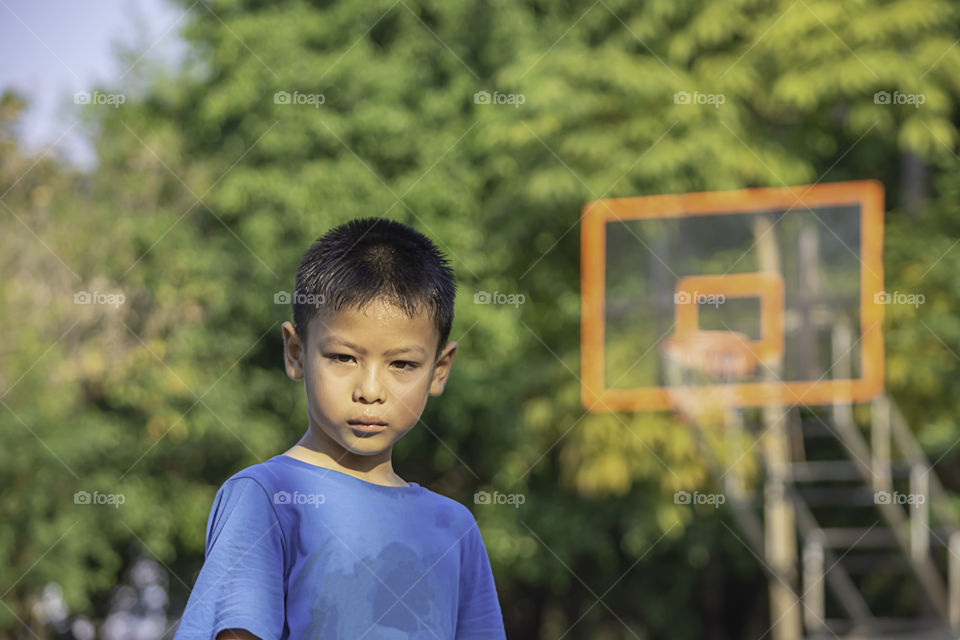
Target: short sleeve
[
  {"x": 241, "y": 583},
  {"x": 478, "y": 616}
]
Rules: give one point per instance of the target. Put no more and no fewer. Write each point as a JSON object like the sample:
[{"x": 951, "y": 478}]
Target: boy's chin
[{"x": 365, "y": 445}]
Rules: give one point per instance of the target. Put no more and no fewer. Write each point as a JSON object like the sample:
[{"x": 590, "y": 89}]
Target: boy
[{"x": 326, "y": 540}]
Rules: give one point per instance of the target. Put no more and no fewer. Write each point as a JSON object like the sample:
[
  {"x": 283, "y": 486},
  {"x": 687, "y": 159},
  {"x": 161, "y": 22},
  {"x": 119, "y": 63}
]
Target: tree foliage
[{"x": 211, "y": 183}]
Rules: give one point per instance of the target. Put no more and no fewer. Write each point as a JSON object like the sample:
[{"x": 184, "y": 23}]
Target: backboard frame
[{"x": 867, "y": 194}]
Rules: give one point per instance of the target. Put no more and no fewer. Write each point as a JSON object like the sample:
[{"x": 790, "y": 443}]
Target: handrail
[{"x": 908, "y": 445}]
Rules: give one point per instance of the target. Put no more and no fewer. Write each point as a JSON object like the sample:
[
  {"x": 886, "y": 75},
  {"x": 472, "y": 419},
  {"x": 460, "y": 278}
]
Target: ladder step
[
  {"x": 875, "y": 537},
  {"x": 846, "y": 537},
  {"x": 882, "y": 628},
  {"x": 816, "y": 429},
  {"x": 837, "y": 496},
  {"x": 838, "y": 470},
  {"x": 874, "y": 563}
]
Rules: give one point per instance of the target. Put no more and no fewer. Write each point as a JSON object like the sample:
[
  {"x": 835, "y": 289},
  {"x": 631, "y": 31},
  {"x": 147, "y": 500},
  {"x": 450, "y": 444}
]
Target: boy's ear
[
  {"x": 293, "y": 352},
  {"x": 441, "y": 370}
]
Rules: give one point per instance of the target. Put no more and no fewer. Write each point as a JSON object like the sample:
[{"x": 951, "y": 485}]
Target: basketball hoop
[{"x": 700, "y": 365}]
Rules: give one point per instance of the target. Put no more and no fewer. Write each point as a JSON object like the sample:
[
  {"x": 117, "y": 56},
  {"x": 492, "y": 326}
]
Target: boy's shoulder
[{"x": 285, "y": 474}]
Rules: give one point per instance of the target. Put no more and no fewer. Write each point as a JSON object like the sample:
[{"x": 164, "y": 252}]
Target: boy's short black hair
[{"x": 371, "y": 258}]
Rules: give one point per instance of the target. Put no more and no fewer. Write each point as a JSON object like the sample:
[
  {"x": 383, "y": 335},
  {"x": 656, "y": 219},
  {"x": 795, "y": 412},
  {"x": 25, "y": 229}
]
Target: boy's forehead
[{"x": 377, "y": 321}]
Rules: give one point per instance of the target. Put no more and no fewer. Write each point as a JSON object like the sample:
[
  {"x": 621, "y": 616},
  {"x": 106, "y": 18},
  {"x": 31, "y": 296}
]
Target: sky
[{"x": 52, "y": 49}]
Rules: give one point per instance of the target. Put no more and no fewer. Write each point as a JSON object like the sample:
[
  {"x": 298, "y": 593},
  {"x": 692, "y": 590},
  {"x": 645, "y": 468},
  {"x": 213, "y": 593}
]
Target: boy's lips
[{"x": 367, "y": 424}]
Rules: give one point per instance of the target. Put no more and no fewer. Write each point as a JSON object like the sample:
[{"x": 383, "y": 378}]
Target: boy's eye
[{"x": 402, "y": 365}]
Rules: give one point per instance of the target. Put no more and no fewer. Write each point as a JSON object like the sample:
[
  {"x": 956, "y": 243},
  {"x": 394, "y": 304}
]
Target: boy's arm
[
  {"x": 478, "y": 615},
  {"x": 240, "y": 588}
]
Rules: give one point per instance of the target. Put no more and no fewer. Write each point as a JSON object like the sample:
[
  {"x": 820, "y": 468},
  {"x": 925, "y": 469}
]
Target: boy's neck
[{"x": 369, "y": 468}]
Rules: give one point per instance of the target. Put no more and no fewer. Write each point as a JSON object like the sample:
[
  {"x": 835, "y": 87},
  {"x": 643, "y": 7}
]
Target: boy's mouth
[{"x": 367, "y": 425}]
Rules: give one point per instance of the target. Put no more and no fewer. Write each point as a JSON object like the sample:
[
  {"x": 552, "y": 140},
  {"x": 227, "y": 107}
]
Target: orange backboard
[{"x": 658, "y": 266}]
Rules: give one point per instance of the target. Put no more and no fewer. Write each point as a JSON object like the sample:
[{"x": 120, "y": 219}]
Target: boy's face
[{"x": 373, "y": 364}]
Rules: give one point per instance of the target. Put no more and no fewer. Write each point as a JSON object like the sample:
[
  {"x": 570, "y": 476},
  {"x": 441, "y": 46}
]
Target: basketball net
[{"x": 701, "y": 366}]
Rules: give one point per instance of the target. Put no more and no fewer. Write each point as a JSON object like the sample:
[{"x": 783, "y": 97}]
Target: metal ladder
[
  {"x": 883, "y": 494},
  {"x": 892, "y": 525}
]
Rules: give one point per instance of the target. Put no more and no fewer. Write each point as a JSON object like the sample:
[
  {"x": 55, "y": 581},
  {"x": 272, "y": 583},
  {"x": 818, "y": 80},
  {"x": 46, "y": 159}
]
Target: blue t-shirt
[{"x": 299, "y": 551}]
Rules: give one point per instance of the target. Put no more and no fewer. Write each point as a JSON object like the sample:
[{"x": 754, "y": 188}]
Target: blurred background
[{"x": 165, "y": 163}]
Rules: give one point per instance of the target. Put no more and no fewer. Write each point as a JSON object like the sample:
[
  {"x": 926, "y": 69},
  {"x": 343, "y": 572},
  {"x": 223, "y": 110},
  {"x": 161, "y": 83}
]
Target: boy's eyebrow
[{"x": 389, "y": 352}]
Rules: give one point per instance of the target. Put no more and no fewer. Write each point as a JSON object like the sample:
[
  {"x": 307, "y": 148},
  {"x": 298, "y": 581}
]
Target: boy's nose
[{"x": 369, "y": 388}]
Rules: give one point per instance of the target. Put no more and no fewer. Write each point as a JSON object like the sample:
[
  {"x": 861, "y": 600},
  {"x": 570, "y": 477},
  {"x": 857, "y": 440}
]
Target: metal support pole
[
  {"x": 780, "y": 540},
  {"x": 954, "y": 570},
  {"x": 733, "y": 443},
  {"x": 919, "y": 501},
  {"x": 880, "y": 444},
  {"x": 814, "y": 589}
]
